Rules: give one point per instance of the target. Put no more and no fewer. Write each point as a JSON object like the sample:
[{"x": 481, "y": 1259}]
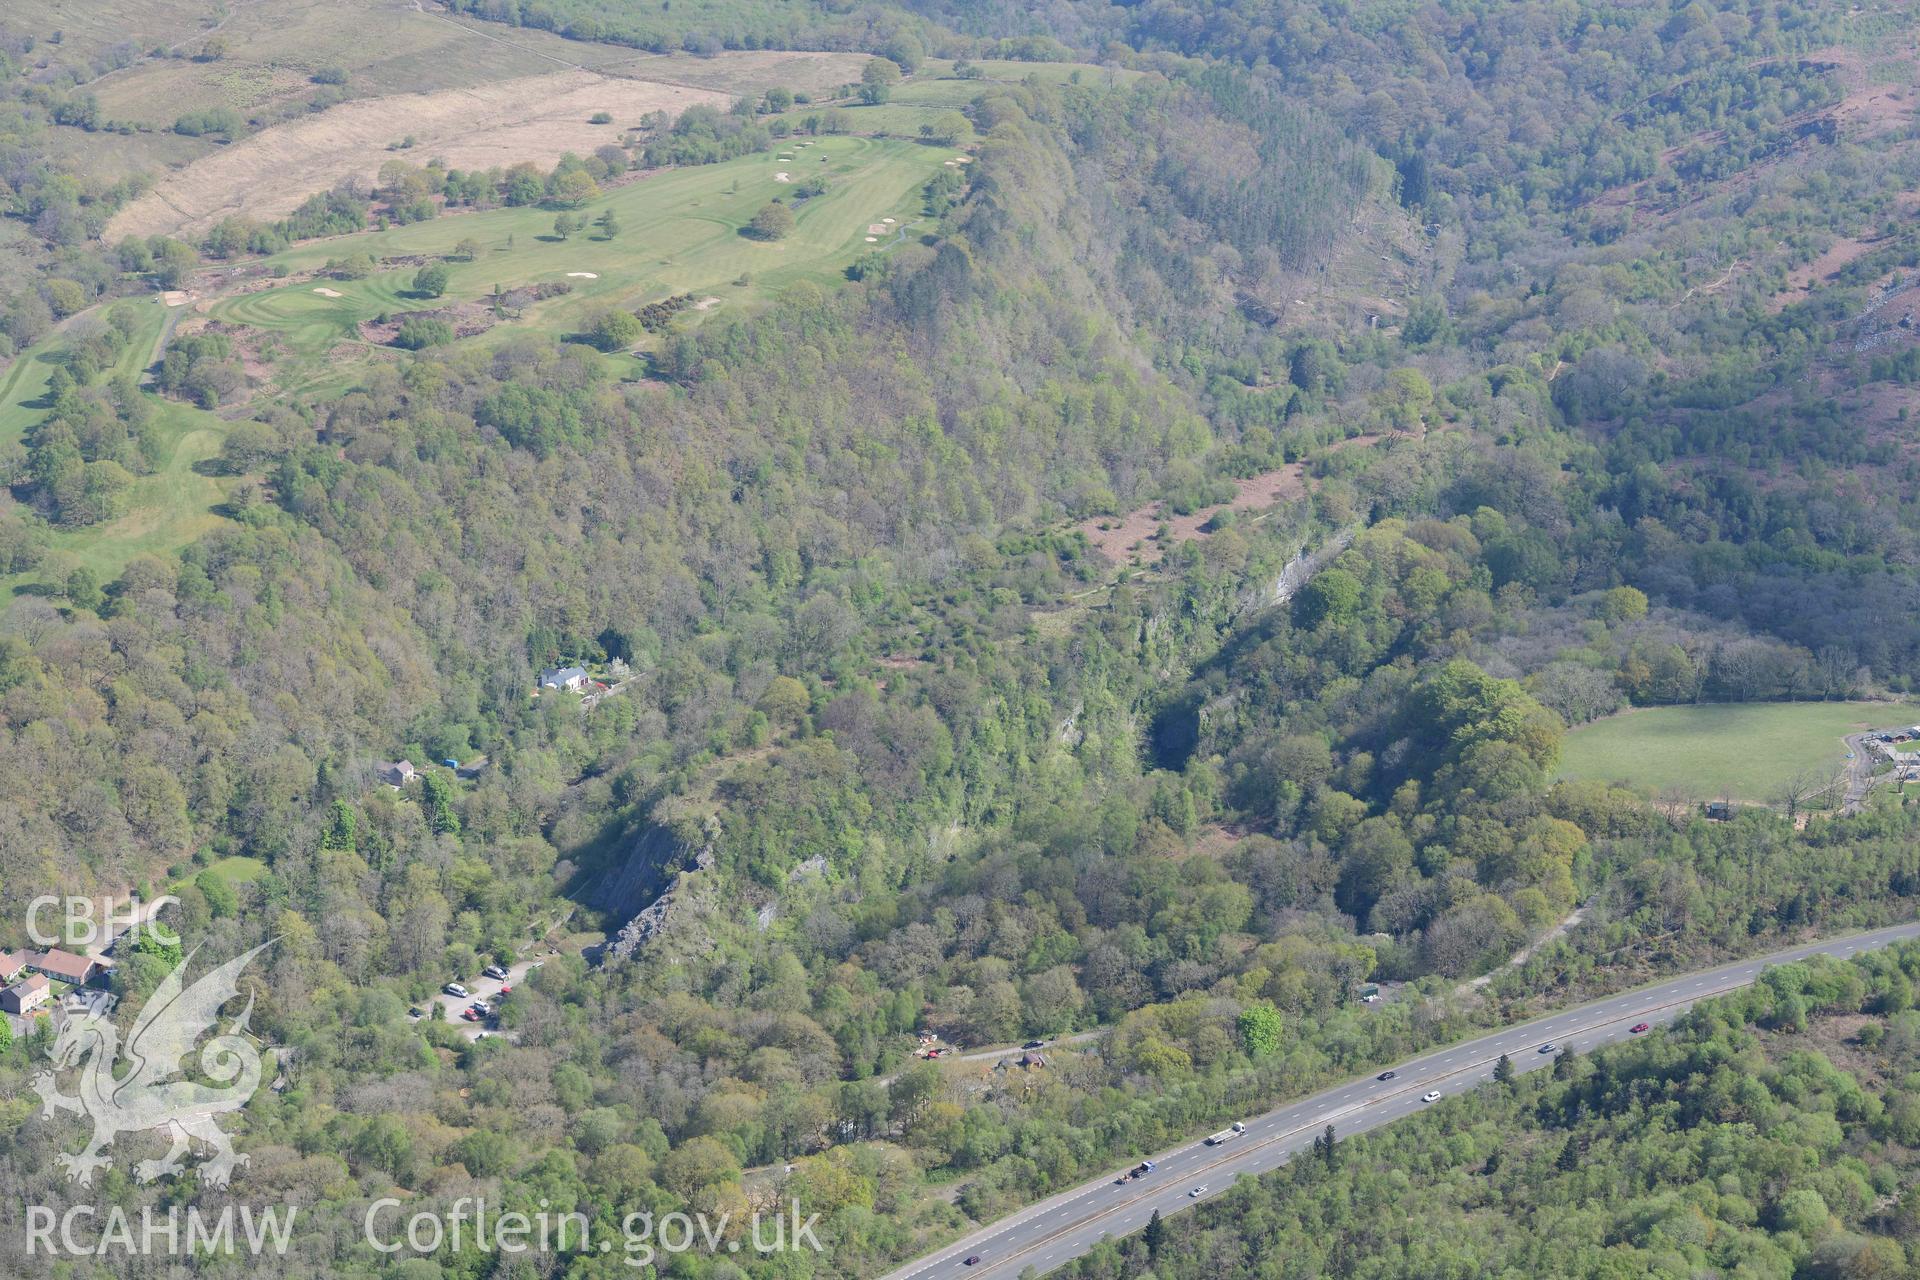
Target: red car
[
  {"x": 1638, "y": 1027},
  {"x": 470, "y": 1015}
]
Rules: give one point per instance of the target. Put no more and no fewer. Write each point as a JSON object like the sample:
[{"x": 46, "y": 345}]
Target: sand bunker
[
  {"x": 873, "y": 239},
  {"x": 782, "y": 176},
  {"x": 325, "y": 292},
  {"x": 176, "y": 297},
  {"x": 875, "y": 228},
  {"x": 706, "y": 304},
  {"x": 582, "y": 275},
  {"x": 887, "y": 220}
]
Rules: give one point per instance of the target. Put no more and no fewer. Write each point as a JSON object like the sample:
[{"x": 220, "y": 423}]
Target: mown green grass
[
  {"x": 1743, "y": 751},
  {"x": 235, "y": 870},
  {"x": 680, "y": 232},
  {"x": 23, "y": 390},
  {"x": 166, "y": 508}
]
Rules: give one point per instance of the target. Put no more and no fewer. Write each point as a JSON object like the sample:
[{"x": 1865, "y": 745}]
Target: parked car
[
  {"x": 505, "y": 990},
  {"x": 1034, "y": 1044},
  {"x": 454, "y": 989},
  {"x": 1638, "y": 1027},
  {"x": 1431, "y": 1095},
  {"x": 469, "y": 1015},
  {"x": 496, "y": 972},
  {"x": 1386, "y": 1075}
]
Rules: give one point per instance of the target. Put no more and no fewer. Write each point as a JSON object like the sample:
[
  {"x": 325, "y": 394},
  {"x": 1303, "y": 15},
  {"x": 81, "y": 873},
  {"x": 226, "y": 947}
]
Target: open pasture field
[
  {"x": 269, "y": 53},
  {"x": 679, "y": 232},
  {"x": 1744, "y": 751}
]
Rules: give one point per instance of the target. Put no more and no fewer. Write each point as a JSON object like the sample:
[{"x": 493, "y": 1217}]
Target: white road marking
[{"x": 1274, "y": 1151}]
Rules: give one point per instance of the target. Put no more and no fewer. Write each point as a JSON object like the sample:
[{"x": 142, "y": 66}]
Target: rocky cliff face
[{"x": 649, "y": 884}]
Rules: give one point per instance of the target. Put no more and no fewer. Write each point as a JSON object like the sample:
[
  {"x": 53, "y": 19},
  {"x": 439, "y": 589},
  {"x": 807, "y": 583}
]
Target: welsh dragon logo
[{"x": 153, "y": 1094}]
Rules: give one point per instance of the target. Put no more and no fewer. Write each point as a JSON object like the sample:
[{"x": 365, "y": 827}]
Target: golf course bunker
[
  {"x": 582, "y": 275},
  {"x": 782, "y": 176},
  {"x": 325, "y": 292}
]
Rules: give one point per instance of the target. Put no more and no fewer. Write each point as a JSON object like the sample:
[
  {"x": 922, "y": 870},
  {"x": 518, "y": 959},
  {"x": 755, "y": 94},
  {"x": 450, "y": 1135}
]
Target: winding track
[{"x": 1048, "y": 1234}]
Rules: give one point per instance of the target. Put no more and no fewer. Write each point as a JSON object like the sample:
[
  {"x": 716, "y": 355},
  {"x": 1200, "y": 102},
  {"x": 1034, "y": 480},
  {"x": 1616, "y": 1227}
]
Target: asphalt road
[{"x": 1046, "y": 1235}]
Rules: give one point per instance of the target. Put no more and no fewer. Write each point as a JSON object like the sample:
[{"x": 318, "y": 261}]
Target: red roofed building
[{"x": 64, "y": 966}]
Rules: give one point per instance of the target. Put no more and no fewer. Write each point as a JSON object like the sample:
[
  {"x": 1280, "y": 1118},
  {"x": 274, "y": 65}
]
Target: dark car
[
  {"x": 1545, "y": 1048},
  {"x": 1638, "y": 1027},
  {"x": 973, "y": 1260},
  {"x": 1034, "y": 1044},
  {"x": 1386, "y": 1075}
]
